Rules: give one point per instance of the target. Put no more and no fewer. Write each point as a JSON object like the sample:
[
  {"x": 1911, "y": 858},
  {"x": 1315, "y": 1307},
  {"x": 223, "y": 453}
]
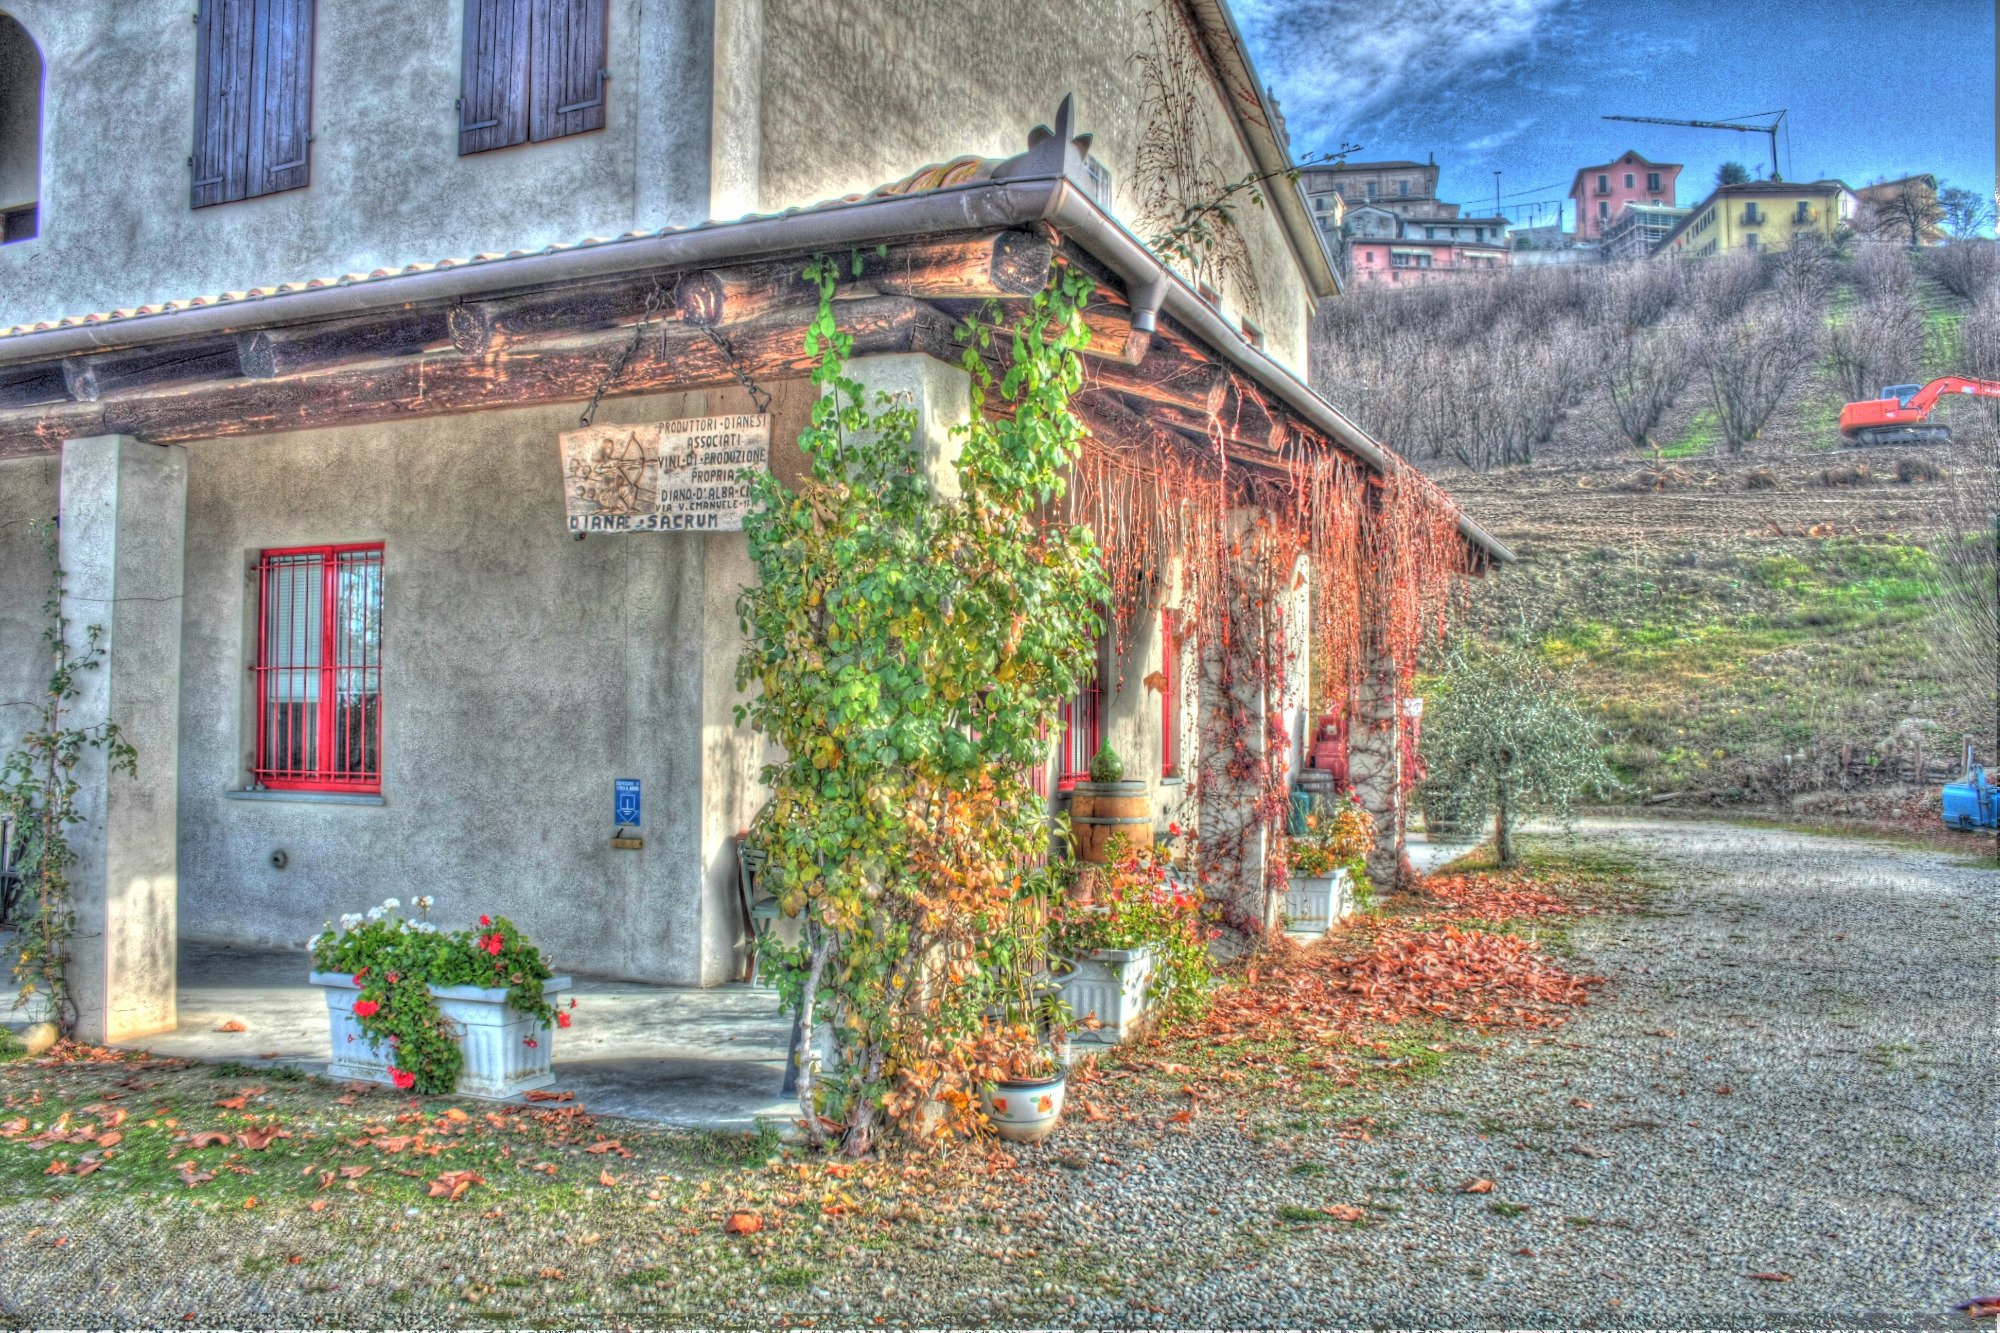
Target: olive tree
[{"x": 1506, "y": 734}]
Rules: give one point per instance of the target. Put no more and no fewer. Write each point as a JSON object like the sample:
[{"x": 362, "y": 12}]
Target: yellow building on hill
[{"x": 1755, "y": 215}]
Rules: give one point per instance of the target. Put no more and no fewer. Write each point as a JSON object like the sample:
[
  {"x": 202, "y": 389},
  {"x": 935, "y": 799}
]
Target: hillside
[{"x": 1785, "y": 625}]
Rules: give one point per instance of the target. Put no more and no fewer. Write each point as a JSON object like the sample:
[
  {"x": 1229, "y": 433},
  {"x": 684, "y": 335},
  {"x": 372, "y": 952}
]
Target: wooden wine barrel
[{"x": 1099, "y": 811}]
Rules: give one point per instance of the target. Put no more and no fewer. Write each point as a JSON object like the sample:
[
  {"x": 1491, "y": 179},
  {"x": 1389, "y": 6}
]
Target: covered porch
[{"x": 691, "y": 1057}]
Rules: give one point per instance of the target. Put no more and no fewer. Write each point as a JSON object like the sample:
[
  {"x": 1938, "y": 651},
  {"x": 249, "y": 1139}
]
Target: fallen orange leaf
[
  {"x": 233, "y": 1025},
  {"x": 452, "y": 1184},
  {"x": 606, "y": 1179},
  {"x": 1344, "y": 1212},
  {"x": 743, "y": 1224},
  {"x": 1772, "y": 1277},
  {"x": 1480, "y": 1186}
]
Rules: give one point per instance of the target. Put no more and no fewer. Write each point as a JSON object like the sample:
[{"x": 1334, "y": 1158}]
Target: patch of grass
[
  {"x": 1298, "y": 1216},
  {"x": 1310, "y": 1170},
  {"x": 792, "y": 1278},
  {"x": 11, "y": 1047},
  {"x": 1701, "y": 437},
  {"x": 1501, "y": 1208}
]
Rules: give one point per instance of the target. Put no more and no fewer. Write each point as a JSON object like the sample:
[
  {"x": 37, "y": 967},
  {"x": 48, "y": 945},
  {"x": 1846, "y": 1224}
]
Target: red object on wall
[
  {"x": 319, "y": 668},
  {"x": 1329, "y": 749}
]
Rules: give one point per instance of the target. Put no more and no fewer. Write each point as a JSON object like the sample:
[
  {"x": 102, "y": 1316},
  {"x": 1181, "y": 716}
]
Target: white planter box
[
  {"x": 499, "y": 1063},
  {"x": 1114, "y": 985},
  {"x": 1315, "y": 904}
]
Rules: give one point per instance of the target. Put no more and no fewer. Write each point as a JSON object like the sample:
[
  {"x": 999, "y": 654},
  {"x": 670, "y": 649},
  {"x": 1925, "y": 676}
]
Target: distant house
[
  {"x": 1412, "y": 258},
  {"x": 1890, "y": 210},
  {"x": 1639, "y": 228},
  {"x": 1755, "y": 215},
  {"x": 1600, "y": 193}
]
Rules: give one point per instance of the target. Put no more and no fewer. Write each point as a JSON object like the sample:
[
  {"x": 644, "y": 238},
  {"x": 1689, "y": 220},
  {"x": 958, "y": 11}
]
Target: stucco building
[
  {"x": 298, "y": 398},
  {"x": 1600, "y": 193},
  {"x": 1755, "y": 215}
]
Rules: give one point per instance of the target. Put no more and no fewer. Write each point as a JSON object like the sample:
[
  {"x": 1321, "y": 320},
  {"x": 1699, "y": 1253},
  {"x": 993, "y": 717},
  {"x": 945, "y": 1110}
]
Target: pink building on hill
[{"x": 1601, "y": 193}]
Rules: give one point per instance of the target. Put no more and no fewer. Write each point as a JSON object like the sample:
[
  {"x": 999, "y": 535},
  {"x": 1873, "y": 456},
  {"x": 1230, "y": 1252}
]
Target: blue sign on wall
[{"x": 625, "y": 802}]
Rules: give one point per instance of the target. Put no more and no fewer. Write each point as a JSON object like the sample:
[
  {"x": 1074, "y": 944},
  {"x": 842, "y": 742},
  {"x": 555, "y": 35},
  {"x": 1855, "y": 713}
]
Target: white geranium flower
[
  {"x": 349, "y": 920},
  {"x": 374, "y": 914},
  {"x": 391, "y": 904},
  {"x": 423, "y": 927}
]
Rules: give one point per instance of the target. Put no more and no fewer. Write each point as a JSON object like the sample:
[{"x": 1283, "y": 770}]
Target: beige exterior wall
[{"x": 856, "y": 93}]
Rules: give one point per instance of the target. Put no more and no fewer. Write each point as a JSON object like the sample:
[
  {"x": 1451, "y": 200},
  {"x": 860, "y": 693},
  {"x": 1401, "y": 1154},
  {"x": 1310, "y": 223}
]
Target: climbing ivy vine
[
  {"x": 908, "y": 650},
  {"x": 38, "y": 790}
]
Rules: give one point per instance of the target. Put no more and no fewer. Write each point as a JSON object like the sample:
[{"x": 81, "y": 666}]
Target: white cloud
[
  {"x": 1337, "y": 63},
  {"x": 1498, "y": 137}
]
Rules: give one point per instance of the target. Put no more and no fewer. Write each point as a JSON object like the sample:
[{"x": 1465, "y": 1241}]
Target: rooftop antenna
[{"x": 1770, "y": 130}]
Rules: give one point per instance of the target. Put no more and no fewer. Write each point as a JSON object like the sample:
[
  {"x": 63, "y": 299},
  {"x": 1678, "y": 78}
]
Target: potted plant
[
  {"x": 432, "y": 1011},
  {"x": 1106, "y": 807},
  {"x": 1138, "y": 946},
  {"x": 1324, "y": 865},
  {"x": 1023, "y": 1044}
]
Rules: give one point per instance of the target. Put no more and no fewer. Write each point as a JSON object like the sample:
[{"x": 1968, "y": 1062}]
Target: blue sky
[{"x": 1873, "y": 90}]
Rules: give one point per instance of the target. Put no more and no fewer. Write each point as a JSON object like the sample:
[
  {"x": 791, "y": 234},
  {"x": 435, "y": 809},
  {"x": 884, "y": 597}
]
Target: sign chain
[
  {"x": 653, "y": 300},
  {"x": 757, "y": 394}
]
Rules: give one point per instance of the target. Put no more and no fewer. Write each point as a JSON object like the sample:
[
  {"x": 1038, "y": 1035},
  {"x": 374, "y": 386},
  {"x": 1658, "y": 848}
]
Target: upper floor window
[
  {"x": 319, "y": 668},
  {"x": 253, "y": 98},
  {"x": 1403, "y": 187},
  {"x": 1653, "y": 182},
  {"x": 532, "y": 70},
  {"x": 1804, "y": 213},
  {"x": 1603, "y": 184},
  {"x": 1603, "y": 209},
  {"x": 1628, "y": 180},
  {"x": 1371, "y": 189},
  {"x": 20, "y": 133}
]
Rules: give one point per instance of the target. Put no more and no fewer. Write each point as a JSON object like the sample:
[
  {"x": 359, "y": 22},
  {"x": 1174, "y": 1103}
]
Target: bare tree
[
  {"x": 1750, "y": 364},
  {"x": 1880, "y": 341},
  {"x": 1910, "y": 214},
  {"x": 1644, "y": 374},
  {"x": 1967, "y": 269},
  {"x": 1884, "y": 271},
  {"x": 1966, "y": 213},
  {"x": 1804, "y": 275},
  {"x": 1726, "y": 284}
]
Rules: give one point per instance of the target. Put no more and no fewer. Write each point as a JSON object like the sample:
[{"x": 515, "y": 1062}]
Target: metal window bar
[
  {"x": 319, "y": 666},
  {"x": 1078, "y": 718},
  {"x": 1170, "y": 695}
]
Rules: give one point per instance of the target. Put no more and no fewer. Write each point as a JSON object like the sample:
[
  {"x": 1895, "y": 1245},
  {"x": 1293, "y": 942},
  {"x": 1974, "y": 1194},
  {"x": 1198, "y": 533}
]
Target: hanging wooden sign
[{"x": 664, "y": 476}]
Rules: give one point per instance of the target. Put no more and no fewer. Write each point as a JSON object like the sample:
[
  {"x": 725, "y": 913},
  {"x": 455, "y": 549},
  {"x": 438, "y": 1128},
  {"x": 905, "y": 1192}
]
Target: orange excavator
[{"x": 1902, "y": 414}]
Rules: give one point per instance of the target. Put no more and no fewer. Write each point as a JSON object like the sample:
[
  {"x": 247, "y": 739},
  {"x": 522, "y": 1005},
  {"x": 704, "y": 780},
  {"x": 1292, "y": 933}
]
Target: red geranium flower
[
  {"x": 1174, "y": 829},
  {"x": 493, "y": 943},
  {"x": 529, "y": 1041},
  {"x": 365, "y": 1008},
  {"x": 562, "y": 1019},
  {"x": 392, "y": 978},
  {"x": 485, "y": 920},
  {"x": 358, "y": 975},
  {"x": 403, "y": 1079}
]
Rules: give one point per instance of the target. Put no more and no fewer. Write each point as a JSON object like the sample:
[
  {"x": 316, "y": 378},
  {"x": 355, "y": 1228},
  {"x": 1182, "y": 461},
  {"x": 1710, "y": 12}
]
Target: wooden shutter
[
  {"x": 225, "y": 38},
  {"x": 253, "y": 98},
  {"x": 281, "y": 96},
  {"x": 568, "y": 68},
  {"x": 493, "y": 75}
]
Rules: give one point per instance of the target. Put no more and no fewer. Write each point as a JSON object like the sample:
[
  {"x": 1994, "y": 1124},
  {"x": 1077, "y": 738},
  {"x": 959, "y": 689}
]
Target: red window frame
[
  {"x": 310, "y": 598},
  {"x": 1079, "y": 721},
  {"x": 1170, "y": 694}
]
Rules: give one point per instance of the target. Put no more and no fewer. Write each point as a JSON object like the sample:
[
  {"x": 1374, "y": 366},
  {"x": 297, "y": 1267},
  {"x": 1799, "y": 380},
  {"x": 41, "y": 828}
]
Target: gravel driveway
[{"x": 1791, "y": 1071}]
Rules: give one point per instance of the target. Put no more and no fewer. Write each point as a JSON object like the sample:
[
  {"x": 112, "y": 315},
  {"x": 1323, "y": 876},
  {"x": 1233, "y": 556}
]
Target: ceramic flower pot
[
  {"x": 1024, "y": 1110},
  {"x": 1113, "y": 984},
  {"x": 495, "y": 1037},
  {"x": 1314, "y": 904}
]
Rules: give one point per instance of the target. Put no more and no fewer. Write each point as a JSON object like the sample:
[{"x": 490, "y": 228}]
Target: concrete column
[
  {"x": 736, "y": 110},
  {"x": 123, "y": 529},
  {"x": 1374, "y": 764},
  {"x": 938, "y": 392}
]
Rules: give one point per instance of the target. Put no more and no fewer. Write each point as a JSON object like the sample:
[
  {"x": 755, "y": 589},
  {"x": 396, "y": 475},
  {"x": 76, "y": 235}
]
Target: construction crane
[{"x": 1737, "y": 125}]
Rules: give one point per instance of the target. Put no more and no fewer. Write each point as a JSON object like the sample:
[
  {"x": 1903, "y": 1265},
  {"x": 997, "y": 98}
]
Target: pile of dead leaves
[
  {"x": 1497, "y": 897},
  {"x": 1393, "y": 975}
]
